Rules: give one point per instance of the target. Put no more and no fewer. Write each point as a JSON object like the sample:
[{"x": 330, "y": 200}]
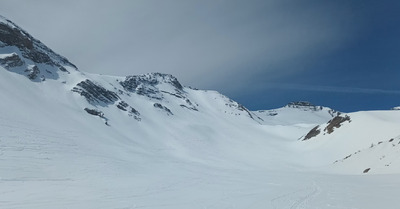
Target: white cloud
[{"x": 332, "y": 89}]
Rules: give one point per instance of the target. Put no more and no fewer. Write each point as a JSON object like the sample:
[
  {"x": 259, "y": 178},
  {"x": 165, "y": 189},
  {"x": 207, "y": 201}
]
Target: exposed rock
[
  {"x": 190, "y": 108},
  {"x": 122, "y": 105},
  {"x": 300, "y": 104},
  {"x": 134, "y": 113},
  {"x": 33, "y": 72},
  {"x": 95, "y": 94},
  {"x": 31, "y": 48},
  {"x": 314, "y": 132},
  {"x": 145, "y": 85},
  {"x": 308, "y": 106},
  {"x": 24, "y": 50},
  {"x": 367, "y": 170},
  {"x": 95, "y": 112},
  {"x": 336, "y": 122},
  {"x": 11, "y": 60},
  {"x": 160, "y": 106}
]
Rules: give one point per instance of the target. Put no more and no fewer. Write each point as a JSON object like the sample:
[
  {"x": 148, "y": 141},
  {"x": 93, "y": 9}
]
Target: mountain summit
[{"x": 23, "y": 54}]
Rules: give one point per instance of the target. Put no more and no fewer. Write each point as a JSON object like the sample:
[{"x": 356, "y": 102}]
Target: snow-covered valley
[{"x": 70, "y": 139}]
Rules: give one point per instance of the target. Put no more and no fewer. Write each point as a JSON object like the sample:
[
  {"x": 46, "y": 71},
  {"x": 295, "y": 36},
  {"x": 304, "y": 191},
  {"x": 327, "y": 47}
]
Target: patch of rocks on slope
[
  {"x": 98, "y": 96},
  {"x": 148, "y": 85},
  {"x": 328, "y": 128}
]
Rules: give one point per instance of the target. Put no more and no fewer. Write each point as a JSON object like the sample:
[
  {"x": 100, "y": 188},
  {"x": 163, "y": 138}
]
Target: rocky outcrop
[
  {"x": 33, "y": 72},
  {"x": 145, "y": 85},
  {"x": 132, "y": 112},
  {"x": 12, "y": 60},
  {"x": 95, "y": 94},
  {"x": 122, "y": 106},
  {"x": 336, "y": 122},
  {"x": 95, "y": 112},
  {"x": 161, "y": 107},
  {"x": 24, "y": 50},
  {"x": 31, "y": 48},
  {"x": 308, "y": 106},
  {"x": 329, "y": 128},
  {"x": 300, "y": 104},
  {"x": 314, "y": 132}
]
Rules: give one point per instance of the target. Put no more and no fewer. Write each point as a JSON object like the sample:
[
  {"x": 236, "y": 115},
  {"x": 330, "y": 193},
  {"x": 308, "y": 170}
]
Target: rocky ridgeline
[
  {"x": 23, "y": 54},
  {"x": 307, "y": 106},
  {"x": 146, "y": 85}
]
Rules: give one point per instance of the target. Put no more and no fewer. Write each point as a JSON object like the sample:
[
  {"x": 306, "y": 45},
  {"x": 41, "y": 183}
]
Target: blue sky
[
  {"x": 364, "y": 74},
  {"x": 262, "y": 53}
]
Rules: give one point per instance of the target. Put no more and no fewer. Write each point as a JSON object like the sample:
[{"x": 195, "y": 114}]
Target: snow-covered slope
[
  {"x": 356, "y": 138},
  {"x": 70, "y": 139}
]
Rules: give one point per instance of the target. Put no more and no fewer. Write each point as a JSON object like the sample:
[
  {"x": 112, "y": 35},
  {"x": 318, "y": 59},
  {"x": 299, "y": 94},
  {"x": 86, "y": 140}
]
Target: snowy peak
[{"x": 23, "y": 54}]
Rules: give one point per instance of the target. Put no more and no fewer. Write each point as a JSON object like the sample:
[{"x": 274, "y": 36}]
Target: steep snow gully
[{"x": 70, "y": 139}]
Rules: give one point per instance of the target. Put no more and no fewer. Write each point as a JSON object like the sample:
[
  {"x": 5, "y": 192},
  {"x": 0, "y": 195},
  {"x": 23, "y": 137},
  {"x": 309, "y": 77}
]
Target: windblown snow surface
[{"x": 69, "y": 139}]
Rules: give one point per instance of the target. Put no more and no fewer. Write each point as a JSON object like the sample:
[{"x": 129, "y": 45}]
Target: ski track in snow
[{"x": 299, "y": 199}]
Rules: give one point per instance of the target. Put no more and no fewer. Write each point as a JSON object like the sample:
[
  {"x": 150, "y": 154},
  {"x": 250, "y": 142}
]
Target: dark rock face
[
  {"x": 95, "y": 112},
  {"x": 13, "y": 37},
  {"x": 33, "y": 72},
  {"x": 145, "y": 84},
  {"x": 336, "y": 122},
  {"x": 95, "y": 94},
  {"x": 304, "y": 104},
  {"x": 122, "y": 106},
  {"x": 300, "y": 103},
  {"x": 31, "y": 48},
  {"x": 189, "y": 105},
  {"x": 314, "y": 132},
  {"x": 11, "y": 61},
  {"x": 132, "y": 111},
  {"x": 366, "y": 170},
  {"x": 135, "y": 114},
  {"x": 27, "y": 50},
  {"x": 161, "y": 107}
]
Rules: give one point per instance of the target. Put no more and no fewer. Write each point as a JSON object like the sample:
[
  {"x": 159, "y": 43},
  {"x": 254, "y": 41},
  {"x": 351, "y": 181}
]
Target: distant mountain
[{"x": 297, "y": 113}]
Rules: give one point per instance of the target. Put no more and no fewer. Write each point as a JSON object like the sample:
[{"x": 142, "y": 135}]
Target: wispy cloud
[
  {"x": 190, "y": 39},
  {"x": 333, "y": 89}
]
